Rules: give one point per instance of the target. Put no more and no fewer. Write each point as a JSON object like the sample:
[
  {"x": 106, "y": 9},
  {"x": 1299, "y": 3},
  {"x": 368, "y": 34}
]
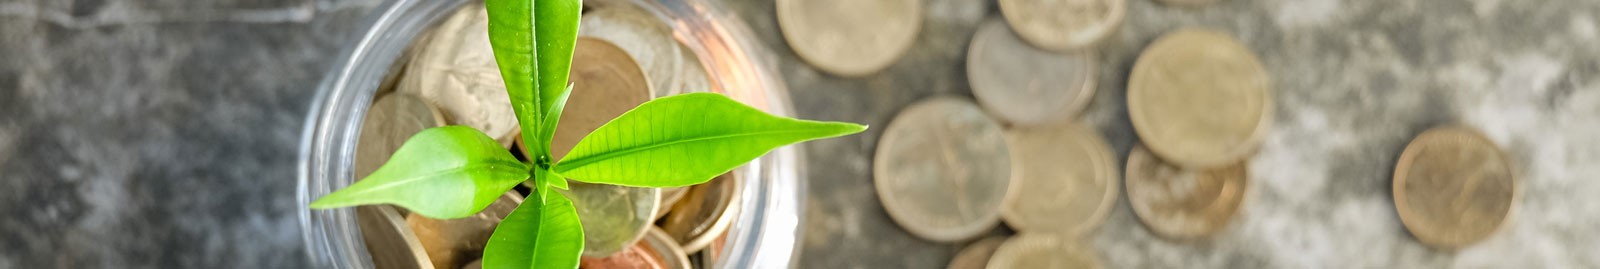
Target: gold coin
[
  {"x": 1064, "y": 179},
  {"x": 850, "y": 37},
  {"x": 613, "y": 217},
  {"x": 392, "y": 120},
  {"x": 450, "y": 242},
  {"x": 1179, "y": 203},
  {"x": 1062, "y": 25},
  {"x": 644, "y": 37},
  {"x": 1043, "y": 251},
  {"x": 1199, "y": 99},
  {"x": 606, "y": 82},
  {"x": 1024, "y": 85},
  {"x": 455, "y": 70},
  {"x": 1453, "y": 187},
  {"x": 705, "y": 212},
  {"x": 942, "y": 170},
  {"x": 976, "y": 255},
  {"x": 388, "y": 240}
]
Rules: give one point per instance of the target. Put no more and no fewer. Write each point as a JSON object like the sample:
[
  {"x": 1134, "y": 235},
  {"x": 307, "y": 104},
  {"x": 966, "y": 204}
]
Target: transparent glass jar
[{"x": 764, "y": 234}]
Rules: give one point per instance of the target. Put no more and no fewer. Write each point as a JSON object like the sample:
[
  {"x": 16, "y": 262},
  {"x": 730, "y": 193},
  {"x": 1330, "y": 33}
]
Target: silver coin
[
  {"x": 456, "y": 71},
  {"x": 1062, "y": 25},
  {"x": 942, "y": 170},
  {"x": 1044, "y": 251},
  {"x": 390, "y": 243},
  {"x": 451, "y": 242},
  {"x": 643, "y": 36},
  {"x": 976, "y": 255},
  {"x": 613, "y": 217},
  {"x": 392, "y": 120},
  {"x": 669, "y": 198},
  {"x": 1064, "y": 180},
  {"x": 1024, "y": 85},
  {"x": 850, "y": 37}
]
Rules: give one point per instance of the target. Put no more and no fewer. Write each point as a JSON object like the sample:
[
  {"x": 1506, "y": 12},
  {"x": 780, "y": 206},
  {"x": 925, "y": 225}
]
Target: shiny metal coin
[
  {"x": 976, "y": 255},
  {"x": 1043, "y": 251},
  {"x": 456, "y": 71},
  {"x": 390, "y": 242},
  {"x": 392, "y": 120},
  {"x": 1023, "y": 85},
  {"x": 1183, "y": 204},
  {"x": 1064, "y": 180},
  {"x": 1199, "y": 99},
  {"x": 645, "y": 37},
  {"x": 942, "y": 169},
  {"x": 613, "y": 217},
  {"x": 452, "y": 242},
  {"x": 1063, "y": 25},
  {"x": 705, "y": 212},
  {"x": 606, "y": 83},
  {"x": 1453, "y": 187},
  {"x": 669, "y": 198},
  {"x": 850, "y": 37}
]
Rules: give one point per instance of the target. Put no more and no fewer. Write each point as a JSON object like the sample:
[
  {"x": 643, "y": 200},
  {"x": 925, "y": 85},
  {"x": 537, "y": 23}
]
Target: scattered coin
[
  {"x": 392, "y": 120},
  {"x": 456, "y": 71},
  {"x": 391, "y": 244},
  {"x": 1189, "y": 3},
  {"x": 1062, "y": 25},
  {"x": 1064, "y": 180},
  {"x": 1043, "y": 251},
  {"x": 1179, "y": 203},
  {"x": 850, "y": 37},
  {"x": 1199, "y": 99},
  {"x": 1453, "y": 187},
  {"x": 606, "y": 83},
  {"x": 976, "y": 255},
  {"x": 942, "y": 169},
  {"x": 1024, "y": 85},
  {"x": 705, "y": 212},
  {"x": 645, "y": 37},
  {"x": 451, "y": 242}
]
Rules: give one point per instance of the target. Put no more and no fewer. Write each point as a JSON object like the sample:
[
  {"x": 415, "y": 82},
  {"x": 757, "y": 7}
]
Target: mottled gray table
[{"x": 163, "y": 134}]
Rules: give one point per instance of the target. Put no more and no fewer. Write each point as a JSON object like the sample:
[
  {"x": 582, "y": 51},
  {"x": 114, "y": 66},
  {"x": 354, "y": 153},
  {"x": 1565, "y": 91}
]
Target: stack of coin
[
  {"x": 1201, "y": 102},
  {"x": 850, "y": 38},
  {"x": 1453, "y": 187}
]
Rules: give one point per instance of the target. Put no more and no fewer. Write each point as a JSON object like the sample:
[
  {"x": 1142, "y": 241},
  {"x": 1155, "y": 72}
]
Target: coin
[
  {"x": 1062, "y": 25},
  {"x": 456, "y": 71},
  {"x": 976, "y": 255},
  {"x": 1024, "y": 85},
  {"x": 1453, "y": 187},
  {"x": 478, "y": 264},
  {"x": 695, "y": 77},
  {"x": 450, "y": 242},
  {"x": 1064, "y": 180},
  {"x": 704, "y": 213},
  {"x": 1199, "y": 99},
  {"x": 656, "y": 251},
  {"x": 942, "y": 169},
  {"x": 606, "y": 82},
  {"x": 715, "y": 251},
  {"x": 1189, "y": 3},
  {"x": 391, "y": 244},
  {"x": 1043, "y": 251},
  {"x": 612, "y": 216},
  {"x": 850, "y": 37},
  {"x": 645, "y": 37},
  {"x": 670, "y": 197},
  {"x": 392, "y": 120},
  {"x": 664, "y": 247},
  {"x": 1179, "y": 203}
]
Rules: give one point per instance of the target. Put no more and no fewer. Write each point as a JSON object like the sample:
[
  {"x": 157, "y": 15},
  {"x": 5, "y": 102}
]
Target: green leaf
[
  {"x": 684, "y": 140},
  {"x": 552, "y": 118},
  {"x": 443, "y": 173},
  {"x": 532, "y": 43},
  {"x": 544, "y": 179},
  {"x": 537, "y": 235}
]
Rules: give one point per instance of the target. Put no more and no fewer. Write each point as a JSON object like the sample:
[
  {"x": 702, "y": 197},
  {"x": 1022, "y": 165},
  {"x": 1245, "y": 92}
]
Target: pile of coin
[{"x": 624, "y": 56}]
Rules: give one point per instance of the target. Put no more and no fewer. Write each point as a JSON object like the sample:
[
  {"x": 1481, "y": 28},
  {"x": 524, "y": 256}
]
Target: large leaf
[
  {"x": 533, "y": 42},
  {"x": 684, "y": 140},
  {"x": 443, "y": 173},
  {"x": 537, "y": 235}
]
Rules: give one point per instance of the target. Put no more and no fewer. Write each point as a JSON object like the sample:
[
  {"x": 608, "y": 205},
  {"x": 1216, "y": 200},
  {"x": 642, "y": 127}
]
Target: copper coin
[
  {"x": 942, "y": 170},
  {"x": 1199, "y": 99},
  {"x": 1063, "y": 25},
  {"x": 850, "y": 37},
  {"x": 705, "y": 212},
  {"x": 1024, "y": 85},
  {"x": 1453, "y": 187},
  {"x": 1064, "y": 180},
  {"x": 1183, "y": 204}
]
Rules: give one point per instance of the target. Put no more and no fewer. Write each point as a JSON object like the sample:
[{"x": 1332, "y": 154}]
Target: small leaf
[
  {"x": 552, "y": 117},
  {"x": 443, "y": 173},
  {"x": 544, "y": 179},
  {"x": 537, "y": 235},
  {"x": 684, "y": 140}
]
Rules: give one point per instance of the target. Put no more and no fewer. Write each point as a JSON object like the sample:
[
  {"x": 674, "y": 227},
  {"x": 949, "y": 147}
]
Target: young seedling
[{"x": 455, "y": 171}]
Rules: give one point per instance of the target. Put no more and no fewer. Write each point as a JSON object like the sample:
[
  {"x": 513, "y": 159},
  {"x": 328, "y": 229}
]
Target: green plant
[{"x": 456, "y": 171}]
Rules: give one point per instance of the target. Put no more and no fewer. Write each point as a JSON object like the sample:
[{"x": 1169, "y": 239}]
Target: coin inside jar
[
  {"x": 1064, "y": 180},
  {"x": 1199, "y": 99},
  {"x": 613, "y": 217},
  {"x": 1024, "y": 85},
  {"x": 450, "y": 242},
  {"x": 456, "y": 71},
  {"x": 1027, "y": 250},
  {"x": 1183, "y": 204},
  {"x": 976, "y": 255},
  {"x": 1062, "y": 25},
  {"x": 392, "y": 120},
  {"x": 391, "y": 243},
  {"x": 942, "y": 169},
  {"x": 646, "y": 38},
  {"x": 1453, "y": 187},
  {"x": 705, "y": 212},
  {"x": 670, "y": 197},
  {"x": 850, "y": 37}
]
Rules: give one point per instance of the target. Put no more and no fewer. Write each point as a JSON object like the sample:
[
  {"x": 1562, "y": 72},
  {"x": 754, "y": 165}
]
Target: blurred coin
[
  {"x": 613, "y": 217},
  {"x": 1453, "y": 187},
  {"x": 656, "y": 251},
  {"x": 715, "y": 251},
  {"x": 663, "y": 246},
  {"x": 645, "y": 37},
  {"x": 1031, "y": 250},
  {"x": 976, "y": 255},
  {"x": 942, "y": 169},
  {"x": 606, "y": 83},
  {"x": 1179, "y": 203},
  {"x": 1061, "y": 25},
  {"x": 694, "y": 76},
  {"x": 670, "y": 197},
  {"x": 390, "y": 242},
  {"x": 392, "y": 120},
  {"x": 850, "y": 37},
  {"x": 1064, "y": 180},
  {"x": 1024, "y": 85},
  {"x": 451, "y": 242},
  {"x": 1189, "y": 3},
  {"x": 705, "y": 212},
  {"x": 1199, "y": 99},
  {"x": 456, "y": 71},
  {"x": 478, "y": 264}
]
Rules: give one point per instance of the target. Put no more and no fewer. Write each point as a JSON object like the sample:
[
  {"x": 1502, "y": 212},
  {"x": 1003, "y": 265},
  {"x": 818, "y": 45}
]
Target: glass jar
[{"x": 765, "y": 232}]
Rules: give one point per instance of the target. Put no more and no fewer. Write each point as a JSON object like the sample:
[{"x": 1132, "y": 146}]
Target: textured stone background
[{"x": 162, "y": 134}]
